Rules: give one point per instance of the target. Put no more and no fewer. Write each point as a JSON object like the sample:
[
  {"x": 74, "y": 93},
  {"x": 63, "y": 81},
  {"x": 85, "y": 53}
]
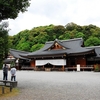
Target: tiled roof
[
  {"x": 17, "y": 53},
  {"x": 97, "y": 49},
  {"x": 8, "y": 60},
  {"x": 72, "y": 46}
]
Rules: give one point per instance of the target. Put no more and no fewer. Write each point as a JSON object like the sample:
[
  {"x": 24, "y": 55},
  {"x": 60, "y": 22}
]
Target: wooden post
[
  {"x": 5, "y": 83},
  {"x": 10, "y": 88},
  {"x": 43, "y": 66},
  {"x": 2, "y": 89},
  {"x": 53, "y": 66},
  {"x": 63, "y": 67}
]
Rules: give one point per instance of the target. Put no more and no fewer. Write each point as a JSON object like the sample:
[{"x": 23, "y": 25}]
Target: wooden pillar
[
  {"x": 43, "y": 66},
  {"x": 3, "y": 90},
  {"x": 53, "y": 66},
  {"x": 63, "y": 67}
]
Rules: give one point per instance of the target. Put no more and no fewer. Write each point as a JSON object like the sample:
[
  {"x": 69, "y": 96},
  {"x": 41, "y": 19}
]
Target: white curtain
[{"x": 51, "y": 61}]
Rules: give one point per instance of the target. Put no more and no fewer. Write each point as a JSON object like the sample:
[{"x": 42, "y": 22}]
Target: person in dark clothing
[{"x": 5, "y": 72}]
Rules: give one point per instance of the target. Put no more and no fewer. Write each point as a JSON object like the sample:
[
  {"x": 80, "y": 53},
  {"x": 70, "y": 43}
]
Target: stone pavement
[{"x": 39, "y": 85}]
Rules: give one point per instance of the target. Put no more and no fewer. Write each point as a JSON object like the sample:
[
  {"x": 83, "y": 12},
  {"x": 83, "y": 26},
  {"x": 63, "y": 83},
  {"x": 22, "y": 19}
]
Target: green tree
[
  {"x": 36, "y": 47},
  {"x": 70, "y": 26},
  {"x": 65, "y": 36},
  {"x": 50, "y": 31},
  {"x": 10, "y": 41},
  {"x": 79, "y": 35},
  {"x": 3, "y": 42},
  {"x": 11, "y": 8},
  {"x": 58, "y": 30},
  {"x": 42, "y": 37},
  {"x": 92, "y": 41},
  {"x": 88, "y": 30},
  {"x": 24, "y": 46}
]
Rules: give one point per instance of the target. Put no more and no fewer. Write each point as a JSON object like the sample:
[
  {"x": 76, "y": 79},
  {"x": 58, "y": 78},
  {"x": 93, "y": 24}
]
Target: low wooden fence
[
  {"x": 81, "y": 68},
  {"x": 5, "y": 89},
  {"x": 7, "y": 86}
]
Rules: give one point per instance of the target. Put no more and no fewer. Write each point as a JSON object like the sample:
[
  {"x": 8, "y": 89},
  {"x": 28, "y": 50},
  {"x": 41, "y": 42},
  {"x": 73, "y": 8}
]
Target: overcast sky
[{"x": 57, "y": 12}]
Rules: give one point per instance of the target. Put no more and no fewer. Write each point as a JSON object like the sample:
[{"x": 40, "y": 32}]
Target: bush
[{"x": 96, "y": 68}]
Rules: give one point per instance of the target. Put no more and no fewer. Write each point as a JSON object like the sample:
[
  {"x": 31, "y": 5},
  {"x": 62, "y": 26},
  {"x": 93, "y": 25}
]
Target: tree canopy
[
  {"x": 34, "y": 39},
  {"x": 11, "y": 8}
]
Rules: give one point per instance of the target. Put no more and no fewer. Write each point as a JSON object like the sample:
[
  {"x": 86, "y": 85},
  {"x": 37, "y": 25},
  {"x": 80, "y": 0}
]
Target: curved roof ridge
[
  {"x": 49, "y": 42},
  {"x": 19, "y": 51},
  {"x": 53, "y": 41},
  {"x": 65, "y": 40},
  {"x": 93, "y": 47},
  {"x": 71, "y": 39}
]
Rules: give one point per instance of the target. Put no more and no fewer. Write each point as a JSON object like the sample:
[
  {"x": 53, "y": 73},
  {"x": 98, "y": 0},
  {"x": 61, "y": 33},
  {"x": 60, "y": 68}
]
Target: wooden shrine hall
[{"x": 59, "y": 55}]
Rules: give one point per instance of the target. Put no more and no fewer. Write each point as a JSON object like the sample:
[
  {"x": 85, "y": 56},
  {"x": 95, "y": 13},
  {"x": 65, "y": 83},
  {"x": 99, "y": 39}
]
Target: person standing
[
  {"x": 5, "y": 72},
  {"x": 13, "y": 73}
]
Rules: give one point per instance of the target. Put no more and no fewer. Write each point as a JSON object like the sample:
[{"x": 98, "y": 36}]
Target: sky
[{"x": 56, "y": 12}]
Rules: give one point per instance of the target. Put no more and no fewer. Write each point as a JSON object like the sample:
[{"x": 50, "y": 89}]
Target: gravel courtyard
[{"x": 39, "y": 85}]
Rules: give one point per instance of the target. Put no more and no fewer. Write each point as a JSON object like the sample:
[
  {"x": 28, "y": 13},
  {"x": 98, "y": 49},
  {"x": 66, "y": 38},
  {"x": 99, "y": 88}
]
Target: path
[{"x": 35, "y": 85}]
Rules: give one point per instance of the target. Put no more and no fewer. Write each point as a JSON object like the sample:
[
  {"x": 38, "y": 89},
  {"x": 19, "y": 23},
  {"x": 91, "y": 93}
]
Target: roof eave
[
  {"x": 83, "y": 53},
  {"x": 47, "y": 55}
]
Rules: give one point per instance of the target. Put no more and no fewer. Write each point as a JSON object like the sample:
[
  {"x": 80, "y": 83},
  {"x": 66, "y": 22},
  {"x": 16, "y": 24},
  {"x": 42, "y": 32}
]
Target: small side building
[{"x": 15, "y": 59}]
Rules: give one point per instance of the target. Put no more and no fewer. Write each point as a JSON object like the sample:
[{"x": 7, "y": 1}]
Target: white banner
[
  {"x": 78, "y": 67},
  {"x": 51, "y": 61}
]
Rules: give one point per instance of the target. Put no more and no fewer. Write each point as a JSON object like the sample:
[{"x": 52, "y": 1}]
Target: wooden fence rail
[
  {"x": 5, "y": 89},
  {"x": 9, "y": 84}
]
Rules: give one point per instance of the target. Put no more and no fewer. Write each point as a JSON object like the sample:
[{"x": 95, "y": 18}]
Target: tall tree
[
  {"x": 11, "y": 8},
  {"x": 59, "y": 30},
  {"x": 3, "y": 41}
]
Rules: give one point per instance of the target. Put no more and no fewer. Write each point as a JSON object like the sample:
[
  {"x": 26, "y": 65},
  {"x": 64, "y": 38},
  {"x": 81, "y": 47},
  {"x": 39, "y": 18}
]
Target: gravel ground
[{"x": 39, "y": 85}]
